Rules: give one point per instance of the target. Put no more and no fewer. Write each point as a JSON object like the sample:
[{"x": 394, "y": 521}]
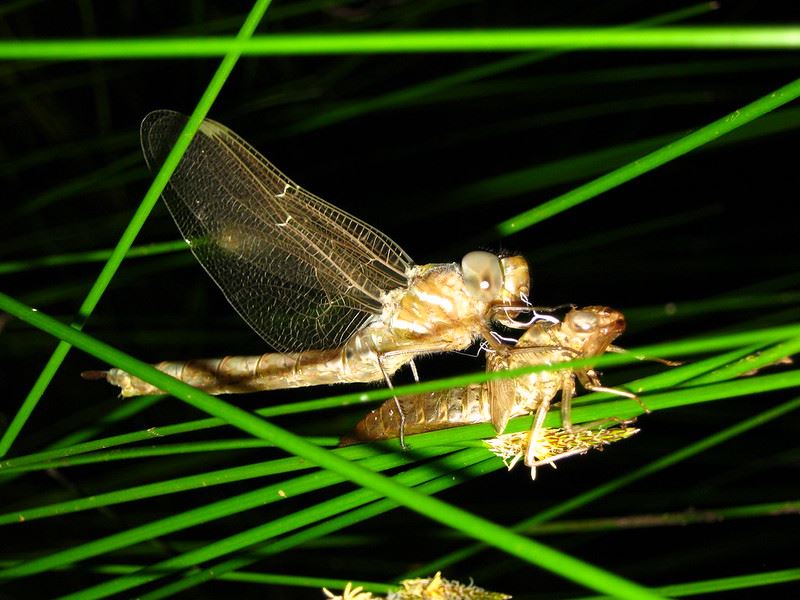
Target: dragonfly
[
  {"x": 583, "y": 333},
  {"x": 336, "y": 298}
]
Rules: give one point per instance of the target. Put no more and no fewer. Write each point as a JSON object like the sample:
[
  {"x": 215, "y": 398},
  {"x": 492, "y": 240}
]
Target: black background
[{"x": 404, "y": 169}]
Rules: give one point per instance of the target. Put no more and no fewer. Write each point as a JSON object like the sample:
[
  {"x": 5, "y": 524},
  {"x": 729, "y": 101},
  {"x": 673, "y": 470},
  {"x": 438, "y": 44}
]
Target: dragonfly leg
[
  {"x": 552, "y": 459},
  {"x": 591, "y": 382},
  {"x": 400, "y": 412},
  {"x": 495, "y": 341},
  {"x": 536, "y": 432},
  {"x": 508, "y": 313},
  {"x": 414, "y": 373},
  {"x": 567, "y": 392},
  {"x": 604, "y": 424}
]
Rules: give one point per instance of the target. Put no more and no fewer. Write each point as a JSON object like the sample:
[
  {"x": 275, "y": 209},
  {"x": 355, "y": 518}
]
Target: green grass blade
[
  {"x": 747, "y": 364},
  {"x": 498, "y": 40}
]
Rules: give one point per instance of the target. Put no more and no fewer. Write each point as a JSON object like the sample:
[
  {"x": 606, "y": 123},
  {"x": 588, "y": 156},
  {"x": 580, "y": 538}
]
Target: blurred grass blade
[
  {"x": 114, "y": 175},
  {"x": 580, "y": 166},
  {"x": 75, "y": 258},
  {"x": 359, "y": 108},
  {"x": 168, "y": 450},
  {"x": 686, "y": 517},
  {"x": 232, "y": 54},
  {"x": 725, "y": 584}
]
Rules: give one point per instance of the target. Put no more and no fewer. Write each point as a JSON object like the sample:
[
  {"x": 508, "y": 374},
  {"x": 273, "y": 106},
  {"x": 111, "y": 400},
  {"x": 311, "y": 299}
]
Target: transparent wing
[
  {"x": 300, "y": 272},
  {"x": 501, "y": 402}
]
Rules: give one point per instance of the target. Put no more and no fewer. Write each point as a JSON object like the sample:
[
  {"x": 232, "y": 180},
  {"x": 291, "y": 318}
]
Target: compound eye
[
  {"x": 582, "y": 320},
  {"x": 483, "y": 275}
]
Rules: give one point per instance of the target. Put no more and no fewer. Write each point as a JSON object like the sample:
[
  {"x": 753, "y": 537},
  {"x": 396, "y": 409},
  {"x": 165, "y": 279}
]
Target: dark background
[{"x": 65, "y": 127}]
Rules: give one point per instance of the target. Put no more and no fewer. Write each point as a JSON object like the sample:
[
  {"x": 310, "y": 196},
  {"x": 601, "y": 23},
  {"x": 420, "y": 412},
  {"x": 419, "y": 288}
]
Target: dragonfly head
[
  {"x": 516, "y": 280},
  {"x": 497, "y": 281},
  {"x": 600, "y": 325}
]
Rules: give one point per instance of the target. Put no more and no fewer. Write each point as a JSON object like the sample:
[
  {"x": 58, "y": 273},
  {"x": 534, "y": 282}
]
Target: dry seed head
[
  {"x": 554, "y": 444},
  {"x": 350, "y": 593},
  {"x": 428, "y": 588}
]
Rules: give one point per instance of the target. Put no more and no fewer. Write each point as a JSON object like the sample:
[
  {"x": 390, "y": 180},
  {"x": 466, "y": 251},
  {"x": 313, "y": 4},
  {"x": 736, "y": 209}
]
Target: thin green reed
[
  {"x": 231, "y": 56},
  {"x": 74, "y": 258},
  {"x": 402, "y": 42}
]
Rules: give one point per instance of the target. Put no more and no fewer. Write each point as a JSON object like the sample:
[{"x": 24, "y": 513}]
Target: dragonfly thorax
[{"x": 435, "y": 312}]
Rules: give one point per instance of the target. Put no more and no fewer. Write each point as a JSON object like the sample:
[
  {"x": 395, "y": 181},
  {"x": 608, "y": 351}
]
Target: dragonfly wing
[
  {"x": 300, "y": 272},
  {"x": 501, "y": 392},
  {"x": 501, "y": 402}
]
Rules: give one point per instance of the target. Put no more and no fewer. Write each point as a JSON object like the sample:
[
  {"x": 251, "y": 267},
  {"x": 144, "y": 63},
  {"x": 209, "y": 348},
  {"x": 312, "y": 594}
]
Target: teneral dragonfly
[
  {"x": 338, "y": 299},
  {"x": 583, "y": 333}
]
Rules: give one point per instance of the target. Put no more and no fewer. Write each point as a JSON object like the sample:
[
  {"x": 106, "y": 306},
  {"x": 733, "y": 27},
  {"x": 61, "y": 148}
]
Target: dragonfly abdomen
[
  {"x": 354, "y": 362},
  {"x": 423, "y": 413}
]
